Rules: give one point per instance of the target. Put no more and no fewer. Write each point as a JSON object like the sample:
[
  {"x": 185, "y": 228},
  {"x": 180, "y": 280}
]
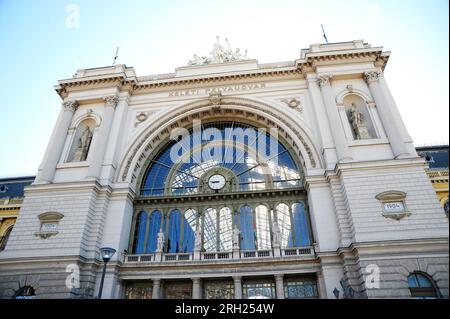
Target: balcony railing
[{"x": 219, "y": 256}]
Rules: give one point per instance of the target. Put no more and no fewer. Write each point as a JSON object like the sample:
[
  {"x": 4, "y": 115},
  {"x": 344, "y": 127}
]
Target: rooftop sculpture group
[{"x": 219, "y": 55}]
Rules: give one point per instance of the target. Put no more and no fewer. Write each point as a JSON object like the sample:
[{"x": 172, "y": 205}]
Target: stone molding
[
  {"x": 70, "y": 105},
  {"x": 372, "y": 76}
]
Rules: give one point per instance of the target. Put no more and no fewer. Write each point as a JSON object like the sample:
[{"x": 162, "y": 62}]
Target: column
[
  {"x": 57, "y": 141},
  {"x": 95, "y": 157},
  {"x": 156, "y": 288},
  {"x": 114, "y": 141},
  {"x": 196, "y": 288},
  {"x": 386, "y": 113},
  {"x": 343, "y": 152},
  {"x": 237, "y": 287},
  {"x": 322, "y": 120},
  {"x": 279, "y": 286}
]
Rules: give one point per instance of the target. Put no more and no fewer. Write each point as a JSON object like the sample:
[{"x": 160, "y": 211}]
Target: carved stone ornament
[
  {"x": 49, "y": 222},
  {"x": 372, "y": 76},
  {"x": 324, "y": 80},
  {"x": 70, "y": 105},
  {"x": 393, "y": 204},
  {"x": 216, "y": 99},
  {"x": 293, "y": 103},
  {"x": 140, "y": 117},
  {"x": 111, "y": 100}
]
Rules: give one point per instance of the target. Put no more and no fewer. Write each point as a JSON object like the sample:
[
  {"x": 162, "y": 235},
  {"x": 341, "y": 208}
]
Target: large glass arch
[{"x": 254, "y": 157}]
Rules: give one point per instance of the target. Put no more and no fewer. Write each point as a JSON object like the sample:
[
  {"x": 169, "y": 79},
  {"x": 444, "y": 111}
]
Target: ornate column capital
[
  {"x": 279, "y": 277},
  {"x": 372, "y": 76},
  {"x": 70, "y": 105},
  {"x": 111, "y": 100},
  {"x": 324, "y": 80}
]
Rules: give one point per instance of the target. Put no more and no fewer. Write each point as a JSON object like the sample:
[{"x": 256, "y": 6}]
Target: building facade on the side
[
  {"x": 437, "y": 157},
  {"x": 231, "y": 179}
]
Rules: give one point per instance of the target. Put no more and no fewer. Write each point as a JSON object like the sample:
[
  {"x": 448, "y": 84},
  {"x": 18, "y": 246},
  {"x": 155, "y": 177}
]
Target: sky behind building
[{"x": 45, "y": 41}]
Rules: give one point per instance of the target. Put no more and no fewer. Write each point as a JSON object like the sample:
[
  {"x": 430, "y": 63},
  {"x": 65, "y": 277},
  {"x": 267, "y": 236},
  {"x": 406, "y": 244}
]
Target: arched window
[
  {"x": 190, "y": 225},
  {"x": 422, "y": 286},
  {"x": 26, "y": 292},
  {"x": 285, "y": 225},
  {"x": 4, "y": 239},
  {"x": 301, "y": 225},
  {"x": 225, "y": 229},
  {"x": 263, "y": 227}
]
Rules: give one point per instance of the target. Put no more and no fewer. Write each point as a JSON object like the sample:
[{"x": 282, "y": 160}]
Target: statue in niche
[
  {"x": 84, "y": 142},
  {"x": 358, "y": 123},
  {"x": 198, "y": 240},
  {"x": 160, "y": 240},
  {"x": 276, "y": 234},
  {"x": 236, "y": 237}
]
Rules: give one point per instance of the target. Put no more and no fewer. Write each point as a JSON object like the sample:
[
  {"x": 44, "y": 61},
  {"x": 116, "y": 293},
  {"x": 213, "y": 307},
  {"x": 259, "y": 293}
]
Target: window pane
[
  {"x": 173, "y": 242},
  {"x": 153, "y": 230},
  {"x": 412, "y": 281},
  {"x": 284, "y": 222},
  {"x": 225, "y": 229},
  {"x": 248, "y": 234},
  {"x": 258, "y": 290},
  {"x": 300, "y": 289},
  {"x": 301, "y": 228},
  {"x": 218, "y": 290},
  {"x": 263, "y": 227},
  {"x": 424, "y": 282},
  {"x": 190, "y": 219},
  {"x": 210, "y": 230}
]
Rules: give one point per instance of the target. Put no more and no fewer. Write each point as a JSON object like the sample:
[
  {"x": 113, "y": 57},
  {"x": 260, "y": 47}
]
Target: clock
[{"x": 217, "y": 182}]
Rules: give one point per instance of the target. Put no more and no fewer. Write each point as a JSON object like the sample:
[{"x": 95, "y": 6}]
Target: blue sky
[{"x": 38, "y": 48}]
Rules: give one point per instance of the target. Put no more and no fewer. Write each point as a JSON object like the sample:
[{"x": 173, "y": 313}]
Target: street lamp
[{"x": 107, "y": 254}]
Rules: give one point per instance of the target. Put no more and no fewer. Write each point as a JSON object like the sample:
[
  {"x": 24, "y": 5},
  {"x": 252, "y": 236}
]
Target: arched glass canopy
[{"x": 252, "y": 158}]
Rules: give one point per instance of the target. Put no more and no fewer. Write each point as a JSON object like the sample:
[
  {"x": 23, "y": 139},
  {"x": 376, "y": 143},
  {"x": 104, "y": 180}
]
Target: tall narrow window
[
  {"x": 210, "y": 230},
  {"x": 174, "y": 237},
  {"x": 189, "y": 226},
  {"x": 139, "y": 237},
  {"x": 263, "y": 227},
  {"x": 301, "y": 225},
  {"x": 153, "y": 230},
  {"x": 247, "y": 229},
  {"x": 285, "y": 225},
  {"x": 225, "y": 229},
  {"x": 422, "y": 286}
]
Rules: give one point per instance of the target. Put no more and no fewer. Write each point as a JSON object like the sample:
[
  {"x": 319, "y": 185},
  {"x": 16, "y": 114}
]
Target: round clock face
[{"x": 216, "y": 182}]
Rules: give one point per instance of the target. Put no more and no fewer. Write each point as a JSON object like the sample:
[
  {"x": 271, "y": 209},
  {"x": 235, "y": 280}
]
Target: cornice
[{"x": 296, "y": 69}]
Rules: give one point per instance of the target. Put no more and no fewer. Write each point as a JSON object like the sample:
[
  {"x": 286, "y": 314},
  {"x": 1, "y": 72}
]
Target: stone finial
[
  {"x": 70, "y": 105},
  {"x": 324, "y": 80},
  {"x": 111, "y": 100},
  {"x": 372, "y": 76}
]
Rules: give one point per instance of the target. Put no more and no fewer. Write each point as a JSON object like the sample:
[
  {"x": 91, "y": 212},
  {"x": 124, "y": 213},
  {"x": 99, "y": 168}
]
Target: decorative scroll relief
[
  {"x": 293, "y": 103},
  {"x": 393, "y": 204}
]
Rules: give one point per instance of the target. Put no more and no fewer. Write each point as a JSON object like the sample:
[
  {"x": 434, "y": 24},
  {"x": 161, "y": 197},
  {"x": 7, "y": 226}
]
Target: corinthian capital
[
  {"x": 324, "y": 80},
  {"x": 111, "y": 100},
  {"x": 372, "y": 76},
  {"x": 70, "y": 105}
]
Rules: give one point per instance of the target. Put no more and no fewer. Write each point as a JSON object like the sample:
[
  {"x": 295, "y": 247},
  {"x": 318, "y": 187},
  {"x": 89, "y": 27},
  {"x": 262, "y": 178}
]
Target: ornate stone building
[
  {"x": 343, "y": 208},
  {"x": 437, "y": 159}
]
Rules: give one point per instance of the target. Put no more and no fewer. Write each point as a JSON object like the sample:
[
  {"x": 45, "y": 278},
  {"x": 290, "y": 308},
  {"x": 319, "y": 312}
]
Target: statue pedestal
[
  {"x": 236, "y": 254},
  {"x": 158, "y": 256},
  {"x": 276, "y": 251},
  {"x": 361, "y": 131},
  {"x": 197, "y": 254}
]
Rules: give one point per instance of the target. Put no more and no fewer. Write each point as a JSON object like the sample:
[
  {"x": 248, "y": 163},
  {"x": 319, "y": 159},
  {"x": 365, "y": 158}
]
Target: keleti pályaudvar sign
[{"x": 218, "y": 89}]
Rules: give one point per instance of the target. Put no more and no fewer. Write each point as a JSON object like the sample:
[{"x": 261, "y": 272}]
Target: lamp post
[{"x": 107, "y": 254}]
